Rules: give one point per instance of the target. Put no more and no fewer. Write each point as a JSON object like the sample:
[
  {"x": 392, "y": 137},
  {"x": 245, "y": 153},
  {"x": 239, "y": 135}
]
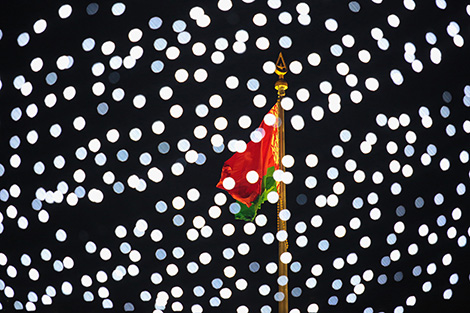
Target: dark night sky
[{"x": 35, "y": 206}]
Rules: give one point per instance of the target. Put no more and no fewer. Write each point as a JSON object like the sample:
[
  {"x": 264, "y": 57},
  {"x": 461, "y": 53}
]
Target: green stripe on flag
[{"x": 268, "y": 184}]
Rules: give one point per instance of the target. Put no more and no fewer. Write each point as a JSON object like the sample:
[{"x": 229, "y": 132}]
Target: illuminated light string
[{"x": 69, "y": 189}]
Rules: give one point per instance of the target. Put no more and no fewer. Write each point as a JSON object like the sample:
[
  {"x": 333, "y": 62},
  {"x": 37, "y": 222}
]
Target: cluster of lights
[{"x": 339, "y": 164}]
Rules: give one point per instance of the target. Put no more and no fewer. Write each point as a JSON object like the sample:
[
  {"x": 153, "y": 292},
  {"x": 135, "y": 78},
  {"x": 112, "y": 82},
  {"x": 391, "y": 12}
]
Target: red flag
[{"x": 248, "y": 176}]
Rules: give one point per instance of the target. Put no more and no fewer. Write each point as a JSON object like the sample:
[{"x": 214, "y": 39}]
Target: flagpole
[{"x": 281, "y": 86}]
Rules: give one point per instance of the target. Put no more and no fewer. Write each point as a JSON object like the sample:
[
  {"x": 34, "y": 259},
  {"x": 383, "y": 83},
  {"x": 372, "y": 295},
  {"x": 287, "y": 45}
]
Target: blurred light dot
[
  {"x": 364, "y": 56},
  {"x": 331, "y": 24},
  {"x": 118, "y": 9}
]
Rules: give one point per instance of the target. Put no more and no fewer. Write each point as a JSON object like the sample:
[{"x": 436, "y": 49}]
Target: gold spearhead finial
[{"x": 281, "y": 70}]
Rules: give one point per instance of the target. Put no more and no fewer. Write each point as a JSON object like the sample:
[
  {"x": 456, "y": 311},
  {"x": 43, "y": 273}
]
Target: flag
[{"x": 248, "y": 176}]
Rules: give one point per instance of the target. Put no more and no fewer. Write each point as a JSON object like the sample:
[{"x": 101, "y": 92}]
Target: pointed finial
[{"x": 281, "y": 70}]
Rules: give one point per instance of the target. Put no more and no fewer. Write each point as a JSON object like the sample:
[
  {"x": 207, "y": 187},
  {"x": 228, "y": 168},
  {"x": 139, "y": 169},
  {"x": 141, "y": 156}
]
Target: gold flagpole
[{"x": 281, "y": 86}]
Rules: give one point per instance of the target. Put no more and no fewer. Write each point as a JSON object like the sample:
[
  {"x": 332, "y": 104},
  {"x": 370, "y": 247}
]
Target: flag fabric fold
[{"x": 248, "y": 176}]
